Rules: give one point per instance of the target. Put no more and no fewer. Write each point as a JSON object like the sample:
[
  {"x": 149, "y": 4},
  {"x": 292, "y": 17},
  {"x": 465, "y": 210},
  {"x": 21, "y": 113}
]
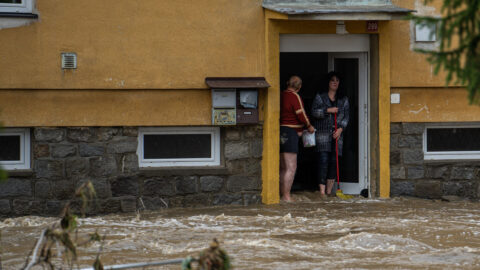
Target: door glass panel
[{"x": 348, "y": 70}]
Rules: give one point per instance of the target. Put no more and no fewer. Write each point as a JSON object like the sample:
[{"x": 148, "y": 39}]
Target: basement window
[
  {"x": 17, "y": 8},
  {"x": 15, "y": 149},
  {"x": 451, "y": 141},
  {"x": 179, "y": 146}
]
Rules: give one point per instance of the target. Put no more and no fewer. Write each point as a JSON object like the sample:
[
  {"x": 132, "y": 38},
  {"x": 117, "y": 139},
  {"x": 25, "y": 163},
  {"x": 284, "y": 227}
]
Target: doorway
[{"x": 299, "y": 56}]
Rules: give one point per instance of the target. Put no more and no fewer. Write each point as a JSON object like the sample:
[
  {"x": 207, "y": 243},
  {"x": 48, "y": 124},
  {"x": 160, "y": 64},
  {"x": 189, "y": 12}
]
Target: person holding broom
[{"x": 330, "y": 112}]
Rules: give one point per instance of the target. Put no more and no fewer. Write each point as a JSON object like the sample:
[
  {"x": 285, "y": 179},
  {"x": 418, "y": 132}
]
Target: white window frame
[
  {"x": 24, "y": 162},
  {"x": 213, "y": 160},
  {"x": 25, "y": 7},
  {"x": 449, "y": 155}
]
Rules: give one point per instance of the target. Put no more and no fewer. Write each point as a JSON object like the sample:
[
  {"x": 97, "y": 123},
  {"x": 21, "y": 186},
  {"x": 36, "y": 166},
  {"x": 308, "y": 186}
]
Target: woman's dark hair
[{"x": 332, "y": 74}]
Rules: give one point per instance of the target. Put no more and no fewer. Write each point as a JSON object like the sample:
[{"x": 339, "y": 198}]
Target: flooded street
[{"x": 399, "y": 233}]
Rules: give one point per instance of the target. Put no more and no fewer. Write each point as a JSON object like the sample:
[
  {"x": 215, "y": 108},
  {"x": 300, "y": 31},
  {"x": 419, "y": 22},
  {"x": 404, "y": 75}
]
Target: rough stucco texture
[
  {"x": 433, "y": 105},
  {"x": 104, "y": 107},
  {"x": 131, "y": 44}
]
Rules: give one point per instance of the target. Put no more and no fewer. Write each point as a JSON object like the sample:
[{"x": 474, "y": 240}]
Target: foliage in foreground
[
  {"x": 212, "y": 258},
  {"x": 57, "y": 247},
  {"x": 58, "y": 244},
  {"x": 461, "y": 60}
]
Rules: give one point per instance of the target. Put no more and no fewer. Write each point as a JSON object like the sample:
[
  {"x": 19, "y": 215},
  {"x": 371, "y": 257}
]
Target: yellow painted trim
[
  {"x": 269, "y": 14},
  {"x": 271, "y": 128},
  {"x": 384, "y": 109}
]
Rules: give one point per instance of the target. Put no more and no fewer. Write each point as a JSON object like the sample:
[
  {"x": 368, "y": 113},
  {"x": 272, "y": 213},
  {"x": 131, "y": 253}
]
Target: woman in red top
[{"x": 292, "y": 121}]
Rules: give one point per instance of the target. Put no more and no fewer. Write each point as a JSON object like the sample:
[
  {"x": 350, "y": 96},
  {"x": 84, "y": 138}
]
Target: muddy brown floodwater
[{"x": 399, "y": 233}]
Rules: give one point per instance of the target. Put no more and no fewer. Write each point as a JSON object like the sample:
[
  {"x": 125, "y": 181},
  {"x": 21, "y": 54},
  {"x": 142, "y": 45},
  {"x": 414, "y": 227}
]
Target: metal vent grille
[{"x": 69, "y": 60}]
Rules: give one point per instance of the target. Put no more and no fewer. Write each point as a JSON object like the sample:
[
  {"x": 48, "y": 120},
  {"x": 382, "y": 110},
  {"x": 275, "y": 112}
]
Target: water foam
[
  {"x": 28, "y": 221},
  {"x": 379, "y": 243}
]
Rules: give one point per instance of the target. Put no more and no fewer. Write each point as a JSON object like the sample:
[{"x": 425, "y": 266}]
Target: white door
[{"x": 353, "y": 67}]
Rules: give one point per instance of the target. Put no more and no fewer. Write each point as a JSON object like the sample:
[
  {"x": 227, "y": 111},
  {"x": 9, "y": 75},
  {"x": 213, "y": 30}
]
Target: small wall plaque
[
  {"x": 224, "y": 117},
  {"x": 372, "y": 26}
]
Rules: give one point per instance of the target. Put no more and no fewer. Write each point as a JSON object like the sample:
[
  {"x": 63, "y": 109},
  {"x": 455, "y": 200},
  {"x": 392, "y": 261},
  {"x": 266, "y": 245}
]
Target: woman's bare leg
[
  {"x": 283, "y": 170},
  {"x": 330, "y": 183},
  {"x": 287, "y": 174},
  {"x": 322, "y": 189}
]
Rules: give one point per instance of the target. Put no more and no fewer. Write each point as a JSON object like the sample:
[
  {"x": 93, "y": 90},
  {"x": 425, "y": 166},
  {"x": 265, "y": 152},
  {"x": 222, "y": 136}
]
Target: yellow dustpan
[{"x": 339, "y": 192}]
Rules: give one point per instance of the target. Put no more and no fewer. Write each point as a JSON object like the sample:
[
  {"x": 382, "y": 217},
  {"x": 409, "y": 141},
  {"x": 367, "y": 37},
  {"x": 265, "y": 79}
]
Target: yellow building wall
[
  {"x": 129, "y": 47},
  {"x": 424, "y": 96},
  {"x": 161, "y": 45},
  {"x": 433, "y": 105},
  {"x": 31, "y": 108},
  {"x": 123, "y": 44},
  {"x": 410, "y": 68},
  {"x": 144, "y": 63}
]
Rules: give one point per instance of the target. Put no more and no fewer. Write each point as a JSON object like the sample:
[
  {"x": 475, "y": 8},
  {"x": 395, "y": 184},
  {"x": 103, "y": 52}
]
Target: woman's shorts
[{"x": 288, "y": 140}]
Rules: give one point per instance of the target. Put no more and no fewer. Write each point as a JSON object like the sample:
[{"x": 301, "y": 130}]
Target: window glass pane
[
  {"x": 166, "y": 146},
  {"x": 453, "y": 139},
  {"x": 425, "y": 32},
  {"x": 11, "y": 1},
  {"x": 10, "y": 147}
]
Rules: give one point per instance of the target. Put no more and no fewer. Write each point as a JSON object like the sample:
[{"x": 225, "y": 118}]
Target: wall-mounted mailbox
[
  {"x": 247, "y": 111},
  {"x": 235, "y": 100},
  {"x": 224, "y": 98},
  {"x": 224, "y": 104}
]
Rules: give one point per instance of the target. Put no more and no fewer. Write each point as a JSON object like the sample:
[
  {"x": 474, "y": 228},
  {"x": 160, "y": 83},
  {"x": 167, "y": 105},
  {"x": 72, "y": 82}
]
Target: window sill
[
  {"x": 18, "y": 15},
  {"x": 452, "y": 161},
  {"x": 168, "y": 171},
  {"x": 20, "y": 173}
]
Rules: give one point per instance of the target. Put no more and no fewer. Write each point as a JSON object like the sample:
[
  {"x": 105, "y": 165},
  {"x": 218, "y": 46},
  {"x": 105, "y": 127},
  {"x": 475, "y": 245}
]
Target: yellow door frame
[{"x": 276, "y": 24}]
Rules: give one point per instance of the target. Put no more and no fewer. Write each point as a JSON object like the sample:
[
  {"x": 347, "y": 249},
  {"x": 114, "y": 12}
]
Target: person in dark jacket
[
  {"x": 293, "y": 120},
  {"x": 324, "y": 108}
]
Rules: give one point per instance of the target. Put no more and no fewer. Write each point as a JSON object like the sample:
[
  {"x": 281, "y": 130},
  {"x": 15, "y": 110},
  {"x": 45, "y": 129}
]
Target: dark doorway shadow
[{"x": 312, "y": 67}]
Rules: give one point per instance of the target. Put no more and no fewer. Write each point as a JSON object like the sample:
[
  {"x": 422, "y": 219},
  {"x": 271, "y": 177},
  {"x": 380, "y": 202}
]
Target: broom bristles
[{"x": 340, "y": 195}]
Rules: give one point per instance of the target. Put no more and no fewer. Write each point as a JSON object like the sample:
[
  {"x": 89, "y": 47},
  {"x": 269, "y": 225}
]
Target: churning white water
[{"x": 400, "y": 233}]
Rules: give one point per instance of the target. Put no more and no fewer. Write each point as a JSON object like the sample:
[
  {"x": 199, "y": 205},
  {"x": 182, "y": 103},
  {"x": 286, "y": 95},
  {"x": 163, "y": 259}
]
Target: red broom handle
[{"x": 336, "y": 154}]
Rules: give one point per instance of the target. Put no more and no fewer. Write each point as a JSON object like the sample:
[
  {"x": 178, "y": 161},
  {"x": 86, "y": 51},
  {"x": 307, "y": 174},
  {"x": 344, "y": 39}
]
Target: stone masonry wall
[
  {"x": 411, "y": 175},
  {"x": 64, "y": 158}
]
